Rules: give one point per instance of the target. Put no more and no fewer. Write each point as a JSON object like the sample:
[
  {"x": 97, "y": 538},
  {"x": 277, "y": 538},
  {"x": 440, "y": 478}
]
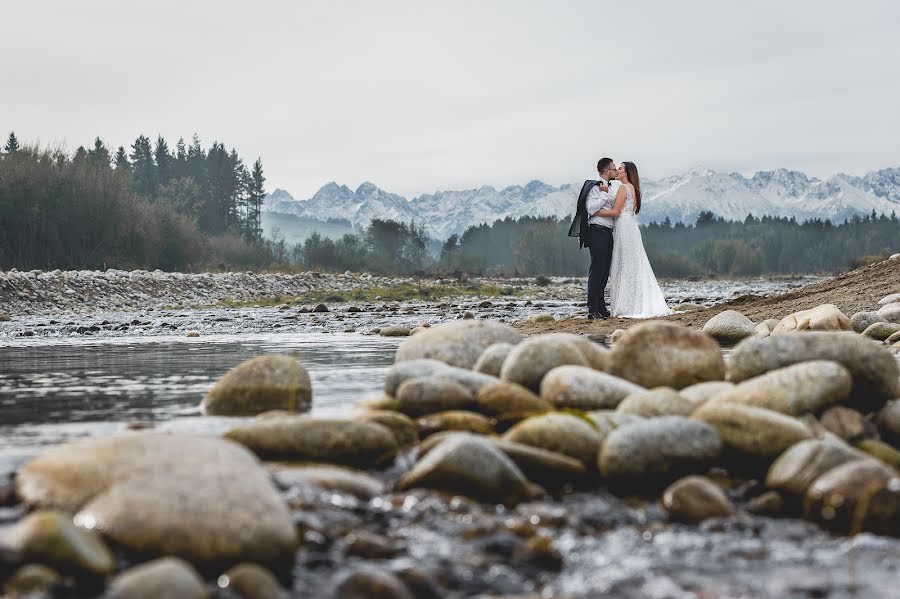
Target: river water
[{"x": 73, "y": 376}]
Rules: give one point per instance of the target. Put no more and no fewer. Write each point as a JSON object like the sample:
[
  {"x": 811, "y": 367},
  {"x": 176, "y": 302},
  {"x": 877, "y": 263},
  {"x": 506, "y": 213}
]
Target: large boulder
[
  {"x": 861, "y": 495},
  {"x": 459, "y": 343},
  {"x": 417, "y": 397},
  {"x": 559, "y": 432},
  {"x": 656, "y": 451},
  {"x": 794, "y": 390},
  {"x": 876, "y": 376},
  {"x": 583, "y": 388},
  {"x": 49, "y": 537},
  {"x": 204, "y": 499},
  {"x": 729, "y": 326},
  {"x": 826, "y": 317},
  {"x": 273, "y": 382},
  {"x": 334, "y": 440},
  {"x": 798, "y": 467},
  {"x": 659, "y": 354},
  {"x": 400, "y": 372},
  {"x": 164, "y": 578},
  {"x": 533, "y": 358},
  {"x": 752, "y": 432},
  {"x": 472, "y": 466}
]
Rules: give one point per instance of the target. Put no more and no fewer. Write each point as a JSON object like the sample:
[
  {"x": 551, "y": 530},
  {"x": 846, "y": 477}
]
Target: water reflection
[{"x": 51, "y": 392}]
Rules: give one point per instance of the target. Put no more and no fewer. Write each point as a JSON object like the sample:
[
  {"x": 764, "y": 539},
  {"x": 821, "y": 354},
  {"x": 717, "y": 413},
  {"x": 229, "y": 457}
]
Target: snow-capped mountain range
[{"x": 679, "y": 197}]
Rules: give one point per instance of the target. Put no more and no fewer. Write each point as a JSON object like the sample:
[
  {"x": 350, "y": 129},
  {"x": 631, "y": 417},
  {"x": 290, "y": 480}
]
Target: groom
[{"x": 597, "y": 234}]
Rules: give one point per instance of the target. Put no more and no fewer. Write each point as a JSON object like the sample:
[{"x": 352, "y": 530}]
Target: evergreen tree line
[
  {"x": 532, "y": 246},
  {"x": 150, "y": 207}
]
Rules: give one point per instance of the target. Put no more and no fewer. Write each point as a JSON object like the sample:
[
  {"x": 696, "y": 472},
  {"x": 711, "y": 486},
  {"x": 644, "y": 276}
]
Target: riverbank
[
  {"x": 851, "y": 292},
  {"x": 91, "y": 292}
]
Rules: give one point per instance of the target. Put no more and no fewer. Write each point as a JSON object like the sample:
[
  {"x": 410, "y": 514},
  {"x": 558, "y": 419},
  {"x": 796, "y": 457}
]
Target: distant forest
[
  {"x": 533, "y": 246},
  {"x": 191, "y": 208},
  {"x": 153, "y": 206}
]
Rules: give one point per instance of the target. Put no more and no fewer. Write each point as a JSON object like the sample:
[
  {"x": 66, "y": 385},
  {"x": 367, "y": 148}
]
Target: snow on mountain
[{"x": 679, "y": 197}]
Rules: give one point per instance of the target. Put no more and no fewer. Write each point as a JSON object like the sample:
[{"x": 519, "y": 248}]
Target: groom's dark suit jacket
[{"x": 579, "y": 226}]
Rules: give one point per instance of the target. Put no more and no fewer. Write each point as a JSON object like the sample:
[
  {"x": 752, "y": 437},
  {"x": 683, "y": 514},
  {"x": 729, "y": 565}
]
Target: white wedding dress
[{"x": 633, "y": 290}]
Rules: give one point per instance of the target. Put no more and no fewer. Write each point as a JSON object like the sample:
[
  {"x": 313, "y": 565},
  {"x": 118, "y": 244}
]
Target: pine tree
[
  {"x": 99, "y": 154},
  {"x": 256, "y": 194},
  {"x": 142, "y": 168},
  {"x": 81, "y": 156},
  {"x": 121, "y": 161},
  {"x": 12, "y": 143},
  {"x": 179, "y": 166},
  {"x": 163, "y": 162}
]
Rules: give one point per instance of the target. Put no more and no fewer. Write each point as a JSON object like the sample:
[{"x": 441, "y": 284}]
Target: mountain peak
[{"x": 366, "y": 188}]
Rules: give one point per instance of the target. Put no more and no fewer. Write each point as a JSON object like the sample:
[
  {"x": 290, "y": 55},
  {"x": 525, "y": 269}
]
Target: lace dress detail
[{"x": 633, "y": 290}]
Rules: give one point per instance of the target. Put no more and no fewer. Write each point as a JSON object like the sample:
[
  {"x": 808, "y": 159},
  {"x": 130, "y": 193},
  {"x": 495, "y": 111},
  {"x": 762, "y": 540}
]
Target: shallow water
[{"x": 125, "y": 369}]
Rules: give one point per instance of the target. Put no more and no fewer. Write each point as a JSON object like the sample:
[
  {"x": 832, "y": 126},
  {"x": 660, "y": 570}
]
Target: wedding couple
[{"x": 605, "y": 223}]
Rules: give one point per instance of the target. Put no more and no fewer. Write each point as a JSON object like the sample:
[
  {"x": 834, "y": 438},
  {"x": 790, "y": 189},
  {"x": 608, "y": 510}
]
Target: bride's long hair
[{"x": 632, "y": 174}]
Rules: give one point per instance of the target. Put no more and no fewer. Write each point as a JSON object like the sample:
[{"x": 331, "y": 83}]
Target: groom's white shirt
[{"x": 602, "y": 200}]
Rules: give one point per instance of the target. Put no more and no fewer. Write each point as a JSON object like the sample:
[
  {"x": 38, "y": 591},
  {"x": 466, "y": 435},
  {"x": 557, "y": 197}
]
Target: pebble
[
  {"x": 694, "y": 499},
  {"x": 251, "y": 581},
  {"x": 862, "y": 495},
  {"x": 455, "y": 420},
  {"x": 876, "y": 376},
  {"x": 458, "y": 343},
  {"x": 662, "y": 401},
  {"x": 797, "y": 468},
  {"x": 826, "y": 317},
  {"x": 563, "y": 433},
  {"x": 271, "y": 382},
  {"x": 729, "y": 326},
  {"x": 506, "y": 401},
  {"x": 702, "y": 392},
  {"x": 491, "y": 359},
  {"x": 529, "y": 361},
  {"x": 848, "y": 424},
  {"x": 163, "y": 577},
  {"x": 404, "y": 428},
  {"x": 50, "y": 537},
  {"x": 369, "y": 584},
  {"x": 655, "y": 451},
  {"x": 472, "y": 466},
  {"x": 583, "y": 388},
  {"x": 863, "y": 320},
  {"x": 750, "y": 431},
  {"x": 421, "y": 396},
  {"x": 332, "y": 440},
  {"x": 659, "y": 354},
  {"x": 31, "y": 580}
]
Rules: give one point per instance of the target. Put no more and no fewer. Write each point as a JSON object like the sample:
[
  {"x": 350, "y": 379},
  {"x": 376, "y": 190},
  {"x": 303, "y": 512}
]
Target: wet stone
[
  {"x": 251, "y": 581},
  {"x": 316, "y": 439},
  {"x": 273, "y": 382},
  {"x": 421, "y": 396},
  {"x": 506, "y": 400},
  {"x": 561, "y": 433},
  {"x": 327, "y": 477},
  {"x": 491, "y": 359},
  {"x": 750, "y": 431},
  {"x": 458, "y": 343},
  {"x": 798, "y": 467},
  {"x": 529, "y": 361},
  {"x": 662, "y": 401},
  {"x": 583, "y": 388},
  {"x": 455, "y": 420},
  {"x": 862, "y": 495},
  {"x": 164, "y": 577},
  {"x": 694, "y": 499},
  {"x": 655, "y": 451},
  {"x": 50, "y": 537},
  {"x": 848, "y": 424},
  {"x": 30, "y": 581},
  {"x": 369, "y": 584},
  {"x": 404, "y": 428},
  {"x": 472, "y": 466}
]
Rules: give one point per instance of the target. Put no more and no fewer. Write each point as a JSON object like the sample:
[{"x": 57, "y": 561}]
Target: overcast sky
[{"x": 423, "y": 95}]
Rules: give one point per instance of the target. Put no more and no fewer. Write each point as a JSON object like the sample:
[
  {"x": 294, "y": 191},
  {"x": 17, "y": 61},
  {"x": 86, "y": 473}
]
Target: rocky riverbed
[
  {"x": 112, "y": 291},
  {"x": 496, "y": 465}
]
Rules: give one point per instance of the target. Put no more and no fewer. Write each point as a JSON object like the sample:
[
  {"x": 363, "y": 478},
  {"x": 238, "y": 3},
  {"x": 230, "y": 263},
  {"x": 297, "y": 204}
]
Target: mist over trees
[
  {"x": 150, "y": 206},
  {"x": 532, "y": 246}
]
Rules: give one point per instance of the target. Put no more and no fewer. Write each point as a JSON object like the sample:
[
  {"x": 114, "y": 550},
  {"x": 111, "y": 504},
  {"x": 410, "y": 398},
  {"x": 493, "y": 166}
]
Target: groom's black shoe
[
  {"x": 597, "y": 316},
  {"x": 604, "y": 314}
]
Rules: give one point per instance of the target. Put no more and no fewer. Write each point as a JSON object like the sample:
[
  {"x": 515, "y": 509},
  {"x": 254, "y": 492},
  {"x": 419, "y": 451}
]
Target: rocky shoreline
[{"x": 499, "y": 465}]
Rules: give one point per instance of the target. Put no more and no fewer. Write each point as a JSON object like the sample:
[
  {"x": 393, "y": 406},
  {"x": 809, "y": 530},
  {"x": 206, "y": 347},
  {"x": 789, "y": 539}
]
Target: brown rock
[
  {"x": 662, "y": 401},
  {"x": 251, "y": 581},
  {"x": 506, "y": 400},
  {"x": 826, "y": 317},
  {"x": 848, "y": 424},
  {"x": 862, "y": 495},
  {"x": 455, "y": 420},
  {"x": 750, "y": 431},
  {"x": 163, "y": 577},
  {"x": 421, "y": 396},
  {"x": 798, "y": 467},
  {"x": 583, "y": 388},
  {"x": 49, "y": 537},
  {"x": 273, "y": 382},
  {"x": 562, "y": 433},
  {"x": 694, "y": 499},
  {"x": 659, "y": 354}
]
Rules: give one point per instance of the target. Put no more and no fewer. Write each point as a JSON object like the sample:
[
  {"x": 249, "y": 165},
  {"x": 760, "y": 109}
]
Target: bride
[{"x": 633, "y": 290}]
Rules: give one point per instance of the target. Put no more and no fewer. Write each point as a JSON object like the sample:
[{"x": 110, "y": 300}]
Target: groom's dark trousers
[{"x": 600, "y": 244}]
